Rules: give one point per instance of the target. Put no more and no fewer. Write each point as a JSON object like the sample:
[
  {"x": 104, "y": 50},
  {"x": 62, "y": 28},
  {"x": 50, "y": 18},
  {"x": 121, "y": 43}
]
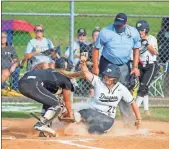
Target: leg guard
[
  {"x": 43, "y": 124},
  {"x": 51, "y": 113}
]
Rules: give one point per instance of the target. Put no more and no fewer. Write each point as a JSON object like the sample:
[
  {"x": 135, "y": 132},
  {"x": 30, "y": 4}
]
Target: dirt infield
[{"x": 19, "y": 134}]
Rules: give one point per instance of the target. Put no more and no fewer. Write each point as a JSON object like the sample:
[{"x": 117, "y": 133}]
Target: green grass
[
  {"x": 157, "y": 114},
  {"x": 57, "y": 28},
  {"x": 159, "y": 8},
  {"x": 161, "y": 114},
  {"x": 16, "y": 115}
]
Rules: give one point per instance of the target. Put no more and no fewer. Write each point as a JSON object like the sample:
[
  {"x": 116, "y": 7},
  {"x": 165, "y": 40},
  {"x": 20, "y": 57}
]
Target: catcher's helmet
[
  {"x": 63, "y": 63},
  {"x": 112, "y": 71},
  {"x": 142, "y": 24}
]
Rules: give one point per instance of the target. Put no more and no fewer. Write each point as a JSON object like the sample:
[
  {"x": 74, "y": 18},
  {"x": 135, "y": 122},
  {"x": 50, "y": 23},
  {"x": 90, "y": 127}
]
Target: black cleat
[{"x": 44, "y": 128}]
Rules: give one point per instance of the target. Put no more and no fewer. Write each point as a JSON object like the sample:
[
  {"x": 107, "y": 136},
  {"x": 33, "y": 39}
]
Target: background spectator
[
  {"x": 9, "y": 63},
  {"x": 81, "y": 38},
  {"x": 95, "y": 34},
  {"x": 35, "y": 48},
  {"x": 163, "y": 42}
]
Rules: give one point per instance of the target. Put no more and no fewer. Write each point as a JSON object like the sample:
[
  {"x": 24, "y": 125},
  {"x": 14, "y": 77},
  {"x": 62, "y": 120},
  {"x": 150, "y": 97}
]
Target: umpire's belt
[
  {"x": 120, "y": 64},
  {"x": 115, "y": 64}
]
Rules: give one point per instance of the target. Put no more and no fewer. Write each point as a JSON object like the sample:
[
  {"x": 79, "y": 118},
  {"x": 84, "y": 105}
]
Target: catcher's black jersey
[{"x": 52, "y": 80}]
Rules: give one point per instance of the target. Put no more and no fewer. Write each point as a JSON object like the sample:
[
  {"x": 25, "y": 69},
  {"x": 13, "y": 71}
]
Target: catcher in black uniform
[{"x": 41, "y": 85}]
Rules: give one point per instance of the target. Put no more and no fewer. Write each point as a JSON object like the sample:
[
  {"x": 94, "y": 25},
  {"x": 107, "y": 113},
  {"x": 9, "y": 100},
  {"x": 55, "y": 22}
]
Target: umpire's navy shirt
[{"x": 117, "y": 47}]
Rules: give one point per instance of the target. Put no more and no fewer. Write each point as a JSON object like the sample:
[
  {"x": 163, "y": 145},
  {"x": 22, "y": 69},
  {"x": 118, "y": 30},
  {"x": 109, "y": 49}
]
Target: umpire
[{"x": 118, "y": 40}]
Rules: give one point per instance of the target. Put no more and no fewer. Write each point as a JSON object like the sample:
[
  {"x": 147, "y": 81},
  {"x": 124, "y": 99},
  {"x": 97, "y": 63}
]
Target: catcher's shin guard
[
  {"x": 43, "y": 124},
  {"x": 51, "y": 113}
]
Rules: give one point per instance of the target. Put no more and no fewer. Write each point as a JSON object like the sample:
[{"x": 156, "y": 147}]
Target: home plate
[
  {"x": 8, "y": 138},
  {"x": 4, "y": 128}
]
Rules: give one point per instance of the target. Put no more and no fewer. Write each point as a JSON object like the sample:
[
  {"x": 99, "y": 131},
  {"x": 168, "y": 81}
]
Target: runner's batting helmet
[
  {"x": 141, "y": 25},
  {"x": 112, "y": 71}
]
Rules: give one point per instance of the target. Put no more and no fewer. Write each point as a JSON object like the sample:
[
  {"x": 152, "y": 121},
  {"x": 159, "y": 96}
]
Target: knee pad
[{"x": 143, "y": 90}]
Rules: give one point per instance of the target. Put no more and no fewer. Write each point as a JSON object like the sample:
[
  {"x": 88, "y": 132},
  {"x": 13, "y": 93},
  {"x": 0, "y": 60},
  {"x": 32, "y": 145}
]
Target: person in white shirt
[
  {"x": 148, "y": 66},
  {"x": 108, "y": 92},
  {"x": 34, "y": 53},
  {"x": 81, "y": 38}
]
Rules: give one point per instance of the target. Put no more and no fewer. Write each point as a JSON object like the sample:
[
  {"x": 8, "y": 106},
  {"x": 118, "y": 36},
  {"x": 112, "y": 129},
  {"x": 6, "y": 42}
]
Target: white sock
[
  {"x": 145, "y": 102},
  {"x": 139, "y": 100}
]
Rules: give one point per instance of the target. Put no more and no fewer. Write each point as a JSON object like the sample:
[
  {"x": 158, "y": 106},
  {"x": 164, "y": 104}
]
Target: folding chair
[{"x": 156, "y": 86}]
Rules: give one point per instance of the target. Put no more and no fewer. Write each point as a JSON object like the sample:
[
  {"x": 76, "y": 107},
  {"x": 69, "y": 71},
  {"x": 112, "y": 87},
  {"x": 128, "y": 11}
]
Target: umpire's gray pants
[{"x": 125, "y": 108}]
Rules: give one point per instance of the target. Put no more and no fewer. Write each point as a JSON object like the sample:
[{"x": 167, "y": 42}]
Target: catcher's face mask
[{"x": 62, "y": 63}]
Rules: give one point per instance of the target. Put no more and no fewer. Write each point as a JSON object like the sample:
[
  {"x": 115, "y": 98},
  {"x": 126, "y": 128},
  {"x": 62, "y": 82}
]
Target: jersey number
[{"x": 111, "y": 109}]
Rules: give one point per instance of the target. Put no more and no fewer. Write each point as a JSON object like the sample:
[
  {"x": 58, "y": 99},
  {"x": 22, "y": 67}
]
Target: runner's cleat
[{"x": 147, "y": 113}]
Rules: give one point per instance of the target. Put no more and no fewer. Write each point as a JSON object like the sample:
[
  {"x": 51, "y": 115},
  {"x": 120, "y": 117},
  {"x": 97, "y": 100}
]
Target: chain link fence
[{"x": 20, "y": 18}]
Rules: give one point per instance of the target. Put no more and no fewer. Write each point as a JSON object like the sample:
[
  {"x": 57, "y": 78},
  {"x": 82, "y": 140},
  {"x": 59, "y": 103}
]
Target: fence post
[{"x": 71, "y": 34}]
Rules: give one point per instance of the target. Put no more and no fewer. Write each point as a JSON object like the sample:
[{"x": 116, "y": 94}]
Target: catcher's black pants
[
  {"x": 33, "y": 88},
  {"x": 96, "y": 121}
]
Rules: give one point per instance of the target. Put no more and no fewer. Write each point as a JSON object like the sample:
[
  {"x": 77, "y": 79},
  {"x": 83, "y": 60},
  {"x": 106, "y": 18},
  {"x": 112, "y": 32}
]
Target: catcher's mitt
[{"x": 65, "y": 117}]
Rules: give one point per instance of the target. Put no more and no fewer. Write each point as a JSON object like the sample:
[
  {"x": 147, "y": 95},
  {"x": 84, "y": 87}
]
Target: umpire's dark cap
[
  {"x": 120, "y": 19},
  {"x": 81, "y": 31},
  {"x": 112, "y": 71}
]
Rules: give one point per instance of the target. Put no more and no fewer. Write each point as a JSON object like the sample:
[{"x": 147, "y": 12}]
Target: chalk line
[{"x": 69, "y": 142}]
